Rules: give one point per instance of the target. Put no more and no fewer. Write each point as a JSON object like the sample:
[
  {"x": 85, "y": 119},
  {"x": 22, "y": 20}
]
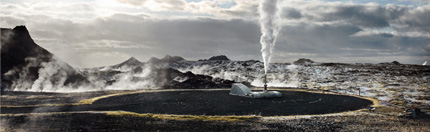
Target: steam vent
[{"x": 238, "y": 89}]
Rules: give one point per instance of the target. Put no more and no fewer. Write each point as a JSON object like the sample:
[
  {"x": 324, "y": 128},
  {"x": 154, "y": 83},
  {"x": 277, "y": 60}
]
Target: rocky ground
[
  {"x": 403, "y": 86},
  {"x": 105, "y": 122},
  {"x": 382, "y": 119}
]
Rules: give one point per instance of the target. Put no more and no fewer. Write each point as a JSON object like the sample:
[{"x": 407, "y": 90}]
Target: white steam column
[{"x": 269, "y": 21}]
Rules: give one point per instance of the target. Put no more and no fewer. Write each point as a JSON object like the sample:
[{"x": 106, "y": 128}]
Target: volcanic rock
[
  {"x": 303, "y": 61},
  {"x": 153, "y": 60},
  {"x": 189, "y": 80},
  {"x": 130, "y": 62},
  {"x": 169, "y": 58},
  {"x": 166, "y": 59},
  {"x": 220, "y": 57},
  {"x": 396, "y": 63},
  {"x": 24, "y": 61}
]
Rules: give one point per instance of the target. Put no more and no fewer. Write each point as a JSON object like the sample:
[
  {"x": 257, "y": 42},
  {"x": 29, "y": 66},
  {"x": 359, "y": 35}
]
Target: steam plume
[{"x": 269, "y": 17}]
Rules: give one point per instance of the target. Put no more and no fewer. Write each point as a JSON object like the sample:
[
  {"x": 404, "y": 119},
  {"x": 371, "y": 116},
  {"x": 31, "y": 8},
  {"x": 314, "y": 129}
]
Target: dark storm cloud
[
  {"x": 358, "y": 15},
  {"x": 356, "y": 31},
  {"x": 414, "y": 46},
  {"x": 291, "y": 13},
  {"x": 416, "y": 19},
  {"x": 321, "y": 39},
  {"x": 330, "y": 41},
  {"x": 318, "y": 30},
  {"x": 362, "y": 15},
  {"x": 402, "y": 18}
]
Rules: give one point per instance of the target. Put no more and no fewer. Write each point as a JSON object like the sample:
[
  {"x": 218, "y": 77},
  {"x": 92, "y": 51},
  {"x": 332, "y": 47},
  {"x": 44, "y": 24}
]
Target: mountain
[
  {"x": 130, "y": 62},
  {"x": 169, "y": 58},
  {"x": 166, "y": 59},
  {"x": 220, "y": 57},
  {"x": 26, "y": 65},
  {"x": 303, "y": 61},
  {"x": 16, "y": 46},
  {"x": 155, "y": 73},
  {"x": 153, "y": 60}
]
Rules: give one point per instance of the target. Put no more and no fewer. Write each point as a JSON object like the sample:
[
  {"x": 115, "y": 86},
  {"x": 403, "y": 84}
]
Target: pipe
[{"x": 265, "y": 83}]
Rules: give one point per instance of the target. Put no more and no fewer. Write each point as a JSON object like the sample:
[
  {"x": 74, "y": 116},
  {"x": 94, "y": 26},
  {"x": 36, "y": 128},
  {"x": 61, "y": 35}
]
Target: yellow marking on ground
[{"x": 185, "y": 117}]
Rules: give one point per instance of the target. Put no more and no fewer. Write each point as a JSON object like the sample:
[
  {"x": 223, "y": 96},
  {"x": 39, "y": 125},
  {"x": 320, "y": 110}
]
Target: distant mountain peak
[
  {"x": 166, "y": 59},
  {"x": 130, "y": 62},
  {"x": 220, "y": 57},
  {"x": 167, "y": 56},
  {"x": 132, "y": 59},
  {"x": 303, "y": 61},
  {"x": 172, "y": 58},
  {"x": 153, "y": 60}
]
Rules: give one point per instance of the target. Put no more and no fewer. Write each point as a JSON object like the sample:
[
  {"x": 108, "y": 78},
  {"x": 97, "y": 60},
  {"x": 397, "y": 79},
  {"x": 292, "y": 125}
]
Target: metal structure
[{"x": 238, "y": 89}]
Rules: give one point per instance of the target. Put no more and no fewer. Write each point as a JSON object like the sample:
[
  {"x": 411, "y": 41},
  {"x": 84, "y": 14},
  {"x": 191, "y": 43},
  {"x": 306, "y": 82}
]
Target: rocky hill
[
  {"x": 130, "y": 62},
  {"x": 27, "y": 66},
  {"x": 166, "y": 59},
  {"x": 220, "y": 57},
  {"x": 303, "y": 61}
]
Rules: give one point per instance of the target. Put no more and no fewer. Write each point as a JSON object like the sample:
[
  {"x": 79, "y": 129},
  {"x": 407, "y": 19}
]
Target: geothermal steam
[{"x": 269, "y": 17}]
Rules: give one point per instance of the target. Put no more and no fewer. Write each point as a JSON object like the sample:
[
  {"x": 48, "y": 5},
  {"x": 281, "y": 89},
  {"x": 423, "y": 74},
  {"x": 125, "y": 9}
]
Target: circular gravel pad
[{"x": 221, "y": 103}]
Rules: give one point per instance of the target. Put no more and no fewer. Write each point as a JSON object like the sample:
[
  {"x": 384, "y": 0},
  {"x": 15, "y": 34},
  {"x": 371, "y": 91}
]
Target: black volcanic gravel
[
  {"x": 215, "y": 103},
  {"x": 221, "y": 103},
  {"x": 100, "y": 122}
]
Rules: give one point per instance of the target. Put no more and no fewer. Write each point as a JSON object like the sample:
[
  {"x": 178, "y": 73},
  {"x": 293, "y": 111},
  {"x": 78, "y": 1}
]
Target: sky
[{"x": 92, "y": 33}]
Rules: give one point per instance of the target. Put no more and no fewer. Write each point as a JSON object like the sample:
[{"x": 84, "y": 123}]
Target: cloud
[
  {"x": 367, "y": 16},
  {"x": 415, "y": 19},
  {"x": 195, "y": 30},
  {"x": 217, "y": 8},
  {"x": 325, "y": 42},
  {"x": 133, "y": 2},
  {"x": 291, "y": 13},
  {"x": 158, "y": 5}
]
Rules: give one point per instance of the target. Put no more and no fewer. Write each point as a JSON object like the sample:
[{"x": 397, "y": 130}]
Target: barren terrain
[{"x": 383, "y": 118}]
